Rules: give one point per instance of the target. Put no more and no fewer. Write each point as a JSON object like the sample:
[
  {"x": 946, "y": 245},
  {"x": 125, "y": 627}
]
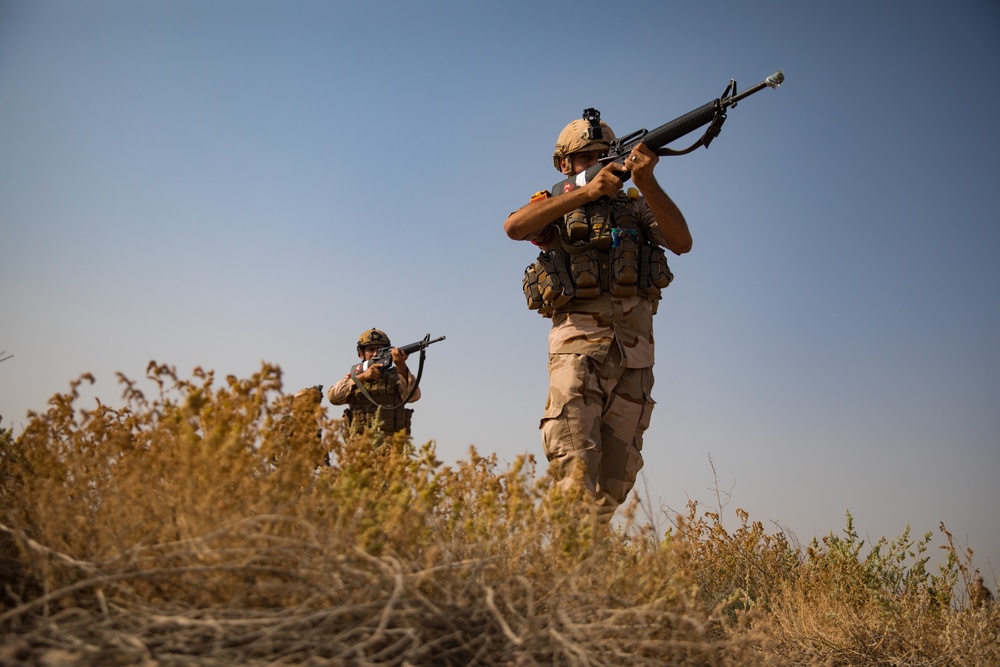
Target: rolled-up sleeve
[
  {"x": 406, "y": 386},
  {"x": 341, "y": 391},
  {"x": 646, "y": 218}
]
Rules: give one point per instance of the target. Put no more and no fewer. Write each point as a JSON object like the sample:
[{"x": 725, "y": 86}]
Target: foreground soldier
[
  {"x": 599, "y": 277},
  {"x": 388, "y": 389}
]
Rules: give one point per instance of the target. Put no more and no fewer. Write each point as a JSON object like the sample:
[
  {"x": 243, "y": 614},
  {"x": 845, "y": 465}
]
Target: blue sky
[{"x": 222, "y": 183}]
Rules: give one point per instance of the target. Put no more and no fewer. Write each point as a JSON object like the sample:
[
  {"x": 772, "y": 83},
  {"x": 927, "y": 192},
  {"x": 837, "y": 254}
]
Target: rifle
[
  {"x": 383, "y": 357},
  {"x": 713, "y": 112}
]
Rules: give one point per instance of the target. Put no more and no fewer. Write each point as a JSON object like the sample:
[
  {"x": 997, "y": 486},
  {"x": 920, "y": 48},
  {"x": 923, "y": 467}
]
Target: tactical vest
[
  {"x": 361, "y": 413},
  {"x": 598, "y": 249}
]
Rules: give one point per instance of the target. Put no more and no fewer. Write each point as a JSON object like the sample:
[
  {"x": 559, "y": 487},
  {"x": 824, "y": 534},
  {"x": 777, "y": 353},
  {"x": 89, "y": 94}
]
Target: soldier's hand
[
  {"x": 641, "y": 161},
  {"x": 371, "y": 374},
  {"x": 399, "y": 360},
  {"x": 605, "y": 184}
]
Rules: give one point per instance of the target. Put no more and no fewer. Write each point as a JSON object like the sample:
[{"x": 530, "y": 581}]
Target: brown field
[{"x": 200, "y": 527}]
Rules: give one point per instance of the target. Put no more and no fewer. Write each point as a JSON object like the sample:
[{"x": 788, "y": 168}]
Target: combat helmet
[
  {"x": 372, "y": 337},
  {"x": 588, "y": 133},
  {"x": 308, "y": 398}
]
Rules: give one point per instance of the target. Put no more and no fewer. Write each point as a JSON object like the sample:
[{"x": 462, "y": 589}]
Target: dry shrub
[
  {"x": 229, "y": 525},
  {"x": 846, "y": 606}
]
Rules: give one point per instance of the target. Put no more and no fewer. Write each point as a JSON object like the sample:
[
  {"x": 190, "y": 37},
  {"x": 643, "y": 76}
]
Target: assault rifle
[
  {"x": 713, "y": 112},
  {"x": 383, "y": 357}
]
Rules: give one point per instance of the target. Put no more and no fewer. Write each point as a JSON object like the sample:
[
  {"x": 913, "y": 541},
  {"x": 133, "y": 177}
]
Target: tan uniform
[
  {"x": 389, "y": 390},
  {"x": 600, "y": 375}
]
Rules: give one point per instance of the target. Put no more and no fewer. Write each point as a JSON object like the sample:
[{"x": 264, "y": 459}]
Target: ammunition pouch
[
  {"x": 554, "y": 281},
  {"x": 374, "y": 418},
  {"x": 601, "y": 248},
  {"x": 548, "y": 283},
  {"x": 653, "y": 267},
  {"x": 529, "y": 284},
  {"x": 624, "y": 263},
  {"x": 576, "y": 227},
  {"x": 585, "y": 269}
]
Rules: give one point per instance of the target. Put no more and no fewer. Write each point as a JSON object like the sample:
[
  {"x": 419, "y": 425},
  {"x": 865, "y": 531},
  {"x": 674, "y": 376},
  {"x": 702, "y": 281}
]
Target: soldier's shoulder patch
[{"x": 540, "y": 195}]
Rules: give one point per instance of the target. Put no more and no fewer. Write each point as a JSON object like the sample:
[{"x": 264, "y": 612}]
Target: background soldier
[
  {"x": 301, "y": 427},
  {"x": 378, "y": 403},
  {"x": 599, "y": 278}
]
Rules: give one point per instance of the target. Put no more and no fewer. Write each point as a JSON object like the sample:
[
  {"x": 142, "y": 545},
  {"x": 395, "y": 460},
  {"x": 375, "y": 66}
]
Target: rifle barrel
[
  {"x": 419, "y": 345},
  {"x": 703, "y": 115},
  {"x": 772, "y": 81}
]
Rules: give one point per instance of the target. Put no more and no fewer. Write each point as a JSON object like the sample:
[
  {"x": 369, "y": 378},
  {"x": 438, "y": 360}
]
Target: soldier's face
[
  {"x": 583, "y": 161},
  {"x": 369, "y": 351}
]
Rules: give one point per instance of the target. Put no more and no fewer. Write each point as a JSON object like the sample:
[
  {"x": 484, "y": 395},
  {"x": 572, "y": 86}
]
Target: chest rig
[
  {"x": 363, "y": 413},
  {"x": 598, "y": 249}
]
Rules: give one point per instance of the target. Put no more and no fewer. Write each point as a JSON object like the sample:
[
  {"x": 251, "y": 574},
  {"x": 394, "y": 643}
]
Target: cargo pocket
[
  {"x": 566, "y": 426},
  {"x": 557, "y": 437}
]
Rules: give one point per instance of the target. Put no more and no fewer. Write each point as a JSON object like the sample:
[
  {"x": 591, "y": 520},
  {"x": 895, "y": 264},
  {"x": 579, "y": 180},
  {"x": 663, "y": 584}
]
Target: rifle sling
[
  {"x": 360, "y": 385},
  {"x": 711, "y": 133}
]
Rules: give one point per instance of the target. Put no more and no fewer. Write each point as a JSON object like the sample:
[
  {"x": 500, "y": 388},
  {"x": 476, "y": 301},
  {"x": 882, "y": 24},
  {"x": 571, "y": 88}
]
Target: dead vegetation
[{"x": 218, "y": 525}]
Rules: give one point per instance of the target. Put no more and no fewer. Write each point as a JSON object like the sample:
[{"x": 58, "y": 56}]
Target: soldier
[
  {"x": 301, "y": 426},
  {"x": 378, "y": 403},
  {"x": 979, "y": 595},
  {"x": 599, "y": 277}
]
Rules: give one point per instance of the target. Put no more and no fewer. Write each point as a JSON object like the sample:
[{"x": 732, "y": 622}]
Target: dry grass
[{"x": 200, "y": 527}]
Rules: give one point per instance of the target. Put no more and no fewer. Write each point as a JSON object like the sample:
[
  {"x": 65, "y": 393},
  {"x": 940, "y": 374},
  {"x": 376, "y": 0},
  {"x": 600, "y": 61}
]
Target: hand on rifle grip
[{"x": 624, "y": 175}]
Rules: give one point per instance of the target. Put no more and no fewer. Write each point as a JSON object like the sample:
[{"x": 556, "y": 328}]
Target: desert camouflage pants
[{"x": 594, "y": 420}]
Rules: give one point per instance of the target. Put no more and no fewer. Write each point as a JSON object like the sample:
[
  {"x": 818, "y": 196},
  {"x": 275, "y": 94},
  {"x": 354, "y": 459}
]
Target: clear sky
[{"x": 221, "y": 183}]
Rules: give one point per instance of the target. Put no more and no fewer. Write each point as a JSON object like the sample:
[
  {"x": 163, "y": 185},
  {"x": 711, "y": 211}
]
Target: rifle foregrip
[
  {"x": 413, "y": 347},
  {"x": 678, "y": 127}
]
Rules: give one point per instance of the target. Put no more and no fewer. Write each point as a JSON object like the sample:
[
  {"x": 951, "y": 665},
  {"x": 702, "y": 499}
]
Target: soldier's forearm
[{"x": 669, "y": 220}]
